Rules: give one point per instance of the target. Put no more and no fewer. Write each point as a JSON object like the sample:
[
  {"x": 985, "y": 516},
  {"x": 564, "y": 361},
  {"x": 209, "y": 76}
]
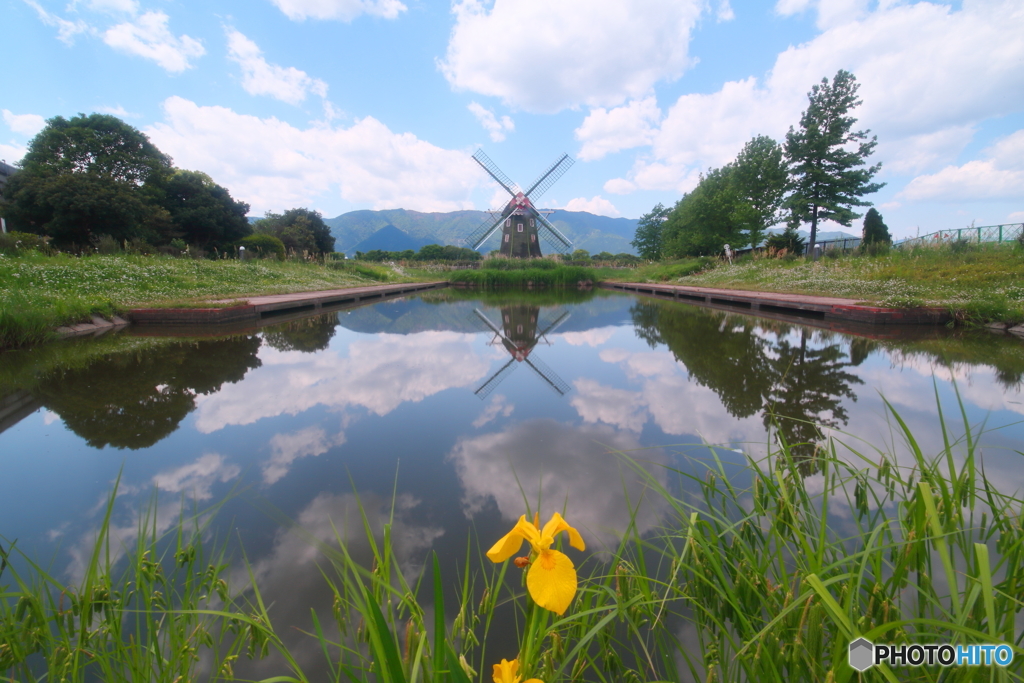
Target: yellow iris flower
[
  {"x": 507, "y": 672},
  {"x": 551, "y": 579}
]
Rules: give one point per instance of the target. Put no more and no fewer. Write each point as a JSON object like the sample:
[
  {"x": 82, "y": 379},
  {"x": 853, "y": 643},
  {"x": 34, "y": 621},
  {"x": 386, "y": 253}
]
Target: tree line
[
  {"x": 819, "y": 173},
  {"x": 92, "y": 178}
]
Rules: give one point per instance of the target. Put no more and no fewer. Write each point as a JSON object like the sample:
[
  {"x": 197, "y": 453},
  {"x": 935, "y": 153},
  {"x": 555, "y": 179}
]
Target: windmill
[
  {"x": 520, "y": 221},
  {"x": 519, "y": 335}
]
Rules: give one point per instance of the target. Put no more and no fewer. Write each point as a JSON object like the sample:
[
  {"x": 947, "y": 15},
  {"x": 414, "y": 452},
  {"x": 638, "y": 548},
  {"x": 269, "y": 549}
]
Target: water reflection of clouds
[
  {"x": 287, "y": 448},
  {"x": 379, "y": 374},
  {"x": 593, "y": 338},
  {"x": 665, "y": 395},
  {"x": 572, "y": 466},
  {"x": 497, "y": 405},
  {"x": 194, "y": 481},
  {"x": 290, "y": 576}
]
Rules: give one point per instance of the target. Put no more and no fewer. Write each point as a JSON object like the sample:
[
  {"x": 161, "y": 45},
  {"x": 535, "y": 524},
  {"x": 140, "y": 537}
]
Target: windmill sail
[
  {"x": 548, "y": 177},
  {"x": 496, "y": 173},
  {"x": 491, "y": 384},
  {"x": 521, "y": 234},
  {"x": 548, "y": 375},
  {"x": 562, "y": 243}
]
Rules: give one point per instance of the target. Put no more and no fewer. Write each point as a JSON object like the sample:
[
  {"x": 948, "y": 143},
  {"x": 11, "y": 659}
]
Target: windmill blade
[
  {"x": 562, "y": 243},
  {"x": 487, "y": 321},
  {"x": 558, "y": 321},
  {"x": 548, "y": 177},
  {"x": 548, "y": 375},
  {"x": 495, "y": 172},
  {"x": 485, "y": 230},
  {"x": 497, "y": 378}
]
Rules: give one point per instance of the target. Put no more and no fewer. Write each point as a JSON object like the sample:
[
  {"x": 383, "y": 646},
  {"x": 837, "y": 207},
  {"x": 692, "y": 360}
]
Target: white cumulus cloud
[
  {"x": 598, "y": 206},
  {"x": 546, "y": 56},
  {"x": 925, "y": 86},
  {"x": 259, "y": 77},
  {"x": 999, "y": 176},
  {"x": 273, "y": 165},
  {"x": 493, "y": 125},
  {"x": 149, "y": 37},
  {"x": 607, "y": 131},
  {"x": 345, "y": 10},
  {"x": 24, "y": 124}
]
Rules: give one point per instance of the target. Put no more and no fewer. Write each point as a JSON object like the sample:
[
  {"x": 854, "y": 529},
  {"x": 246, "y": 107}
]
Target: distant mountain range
[{"x": 400, "y": 229}]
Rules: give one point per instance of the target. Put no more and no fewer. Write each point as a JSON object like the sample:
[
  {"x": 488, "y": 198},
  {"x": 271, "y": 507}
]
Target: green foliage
[
  {"x": 648, "y": 236},
  {"x": 87, "y": 176},
  {"x": 759, "y": 176},
  {"x": 361, "y": 270},
  {"x": 789, "y": 239},
  {"x": 203, "y": 212},
  {"x": 580, "y": 255},
  {"x": 264, "y": 245},
  {"x": 875, "y": 229},
  {"x": 501, "y": 263},
  {"x": 546, "y": 276},
  {"x": 827, "y": 178},
  {"x": 299, "y": 230},
  {"x": 96, "y": 175},
  {"x": 706, "y": 219},
  {"x": 448, "y": 252}
]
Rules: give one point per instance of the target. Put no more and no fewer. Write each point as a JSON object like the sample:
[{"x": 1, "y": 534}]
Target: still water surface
[{"x": 448, "y": 400}]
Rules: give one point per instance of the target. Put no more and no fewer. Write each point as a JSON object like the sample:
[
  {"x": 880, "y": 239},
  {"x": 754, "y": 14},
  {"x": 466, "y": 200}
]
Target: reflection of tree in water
[
  {"x": 795, "y": 386},
  {"x": 132, "y": 400},
  {"x": 307, "y": 335}
]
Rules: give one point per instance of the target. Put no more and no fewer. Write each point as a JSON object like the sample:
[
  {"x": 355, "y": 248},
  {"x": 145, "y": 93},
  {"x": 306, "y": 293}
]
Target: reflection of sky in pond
[{"x": 303, "y": 419}]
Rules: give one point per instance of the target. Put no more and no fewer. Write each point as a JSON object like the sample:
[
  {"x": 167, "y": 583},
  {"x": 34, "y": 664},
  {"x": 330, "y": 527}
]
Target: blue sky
[{"x": 340, "y": 105}]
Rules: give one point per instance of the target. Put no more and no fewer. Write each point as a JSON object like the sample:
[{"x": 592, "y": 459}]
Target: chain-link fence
[{"x": 1008, "y": 232}]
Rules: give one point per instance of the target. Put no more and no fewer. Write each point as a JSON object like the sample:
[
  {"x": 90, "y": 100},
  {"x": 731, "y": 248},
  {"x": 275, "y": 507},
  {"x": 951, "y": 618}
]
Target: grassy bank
[
  {"x": 761, "y": 573},
  {"x": 980, "y": 283},
  {"x": 39, "y": 293},
  {"x": 499, "y": 273}
]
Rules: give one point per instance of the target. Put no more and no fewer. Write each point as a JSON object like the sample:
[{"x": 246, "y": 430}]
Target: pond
[{"x": 447, "y": 411}]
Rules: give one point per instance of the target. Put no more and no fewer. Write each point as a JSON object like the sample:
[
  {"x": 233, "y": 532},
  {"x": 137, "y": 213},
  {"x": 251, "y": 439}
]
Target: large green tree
[
  {"x": 647, "y": 239},
  {"x": 827, "y": 158},
  {"x": 86, "y": 176},
  {"x": 203, "y": 212},
  {"x": 706, "y": 219},
  {"x": 759, "y": 176},
  {"x": 300, "y": 229}
]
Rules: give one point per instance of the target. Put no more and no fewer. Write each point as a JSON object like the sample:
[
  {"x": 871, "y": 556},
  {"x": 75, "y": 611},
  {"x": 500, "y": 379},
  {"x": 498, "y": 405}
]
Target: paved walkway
[{"x": 800, "y": 305}]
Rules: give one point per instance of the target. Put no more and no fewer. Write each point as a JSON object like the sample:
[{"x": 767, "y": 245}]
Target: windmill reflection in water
[{"x": 518, "y": 334}]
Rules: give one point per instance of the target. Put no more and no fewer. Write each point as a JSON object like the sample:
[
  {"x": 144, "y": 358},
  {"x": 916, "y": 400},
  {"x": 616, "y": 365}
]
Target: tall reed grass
[{"x": 762, "y": 575}]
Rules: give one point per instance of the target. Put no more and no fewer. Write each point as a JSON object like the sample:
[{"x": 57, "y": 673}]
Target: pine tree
[
  {"x": 826, "y": 178},
  {"x": 875, "y": 229}
]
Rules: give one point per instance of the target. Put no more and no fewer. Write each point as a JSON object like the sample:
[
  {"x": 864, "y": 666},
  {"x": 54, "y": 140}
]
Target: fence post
[
  {"x": 979, "y": 234},
  {"x": 1000, "y": 234}
]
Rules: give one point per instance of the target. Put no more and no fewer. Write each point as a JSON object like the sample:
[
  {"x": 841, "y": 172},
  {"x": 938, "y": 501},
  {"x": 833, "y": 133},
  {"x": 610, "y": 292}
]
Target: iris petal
[
  {"x": 552, "y": 581},
  {"x": 507, "y": 546}
]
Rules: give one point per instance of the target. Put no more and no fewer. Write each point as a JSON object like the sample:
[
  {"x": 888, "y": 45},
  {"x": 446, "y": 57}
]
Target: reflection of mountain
[
  {"x": 795, "y": 385},
  {"x": 134, "y": 400},
  {"x": 408, "y": 316}
]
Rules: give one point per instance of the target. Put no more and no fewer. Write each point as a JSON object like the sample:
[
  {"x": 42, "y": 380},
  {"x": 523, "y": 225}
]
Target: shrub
[
  {"x": 788, "y": 240},
  {"x": 105, "y": 244},
  {"x": 264, "y": 245},
  {"x": 16, "y": 242}
]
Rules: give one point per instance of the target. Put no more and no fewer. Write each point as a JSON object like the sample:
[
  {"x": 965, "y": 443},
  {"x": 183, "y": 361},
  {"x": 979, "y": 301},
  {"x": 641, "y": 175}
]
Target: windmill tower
[
  {"x": 518, "y": 334},
  {"x": 520, "y": 221}
]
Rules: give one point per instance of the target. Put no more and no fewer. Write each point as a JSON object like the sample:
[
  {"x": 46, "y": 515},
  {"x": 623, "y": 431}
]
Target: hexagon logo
[{"x": 862, "y": 654}]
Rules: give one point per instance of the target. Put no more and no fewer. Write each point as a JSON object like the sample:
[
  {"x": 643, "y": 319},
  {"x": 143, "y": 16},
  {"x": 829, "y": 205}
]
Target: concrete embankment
[
  {"x": 833, "y": 313},
  {"x": 246, "y": 313}
]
